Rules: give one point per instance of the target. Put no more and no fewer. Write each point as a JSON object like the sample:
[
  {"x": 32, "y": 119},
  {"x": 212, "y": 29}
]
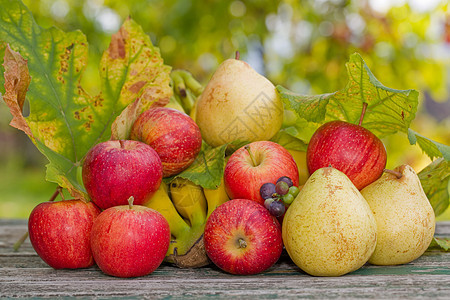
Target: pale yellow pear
[
  {"x": 404, "y": 216},
  {"x": 329, "y": 229},
  {"x": 238, "y": 104}
]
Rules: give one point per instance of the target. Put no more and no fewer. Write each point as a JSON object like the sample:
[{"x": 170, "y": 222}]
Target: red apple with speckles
[
  {"x": 350, "y": 148},
  {"x": 129, "y": 240},
  {"x": 242, "y": 237},
  {"x": 173, "y": 134},
  {"x": 60, "y": 233},
  {"x": 249, "y": 167},
  {"x": 113, "y": 171}
]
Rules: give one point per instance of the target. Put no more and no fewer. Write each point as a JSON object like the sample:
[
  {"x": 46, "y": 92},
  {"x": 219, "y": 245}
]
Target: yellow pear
[
  {"x": 404, "y": 217},
  {"x": 329, "y": 230},
  {"x": 238, "y": 104}
]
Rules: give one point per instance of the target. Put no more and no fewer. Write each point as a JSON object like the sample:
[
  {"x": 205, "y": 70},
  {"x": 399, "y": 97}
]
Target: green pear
[
  {"x": 404, "y": 217},
  {"x": 238, "y": 104},
  {"x": 329, "y": 230}
]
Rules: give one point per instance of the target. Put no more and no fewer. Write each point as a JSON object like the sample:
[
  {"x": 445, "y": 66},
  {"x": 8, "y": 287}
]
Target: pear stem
[
  {"x": 247, "y": 147},
  {"x": 395, "y": 173},
  {"x": 363, "y": 112},
  {"x": 242, "y": 243},
  {"x": 237, "y": 55},
  {"x": 130, "y": 202}
]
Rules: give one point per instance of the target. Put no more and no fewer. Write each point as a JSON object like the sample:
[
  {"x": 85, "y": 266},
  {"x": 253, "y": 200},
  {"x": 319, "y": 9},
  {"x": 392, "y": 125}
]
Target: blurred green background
[{"x": 302, "y": 45}]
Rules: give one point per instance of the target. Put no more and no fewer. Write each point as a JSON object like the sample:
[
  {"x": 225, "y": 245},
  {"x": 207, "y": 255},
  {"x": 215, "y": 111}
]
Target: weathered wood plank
[{"x": 24, "y": 274}]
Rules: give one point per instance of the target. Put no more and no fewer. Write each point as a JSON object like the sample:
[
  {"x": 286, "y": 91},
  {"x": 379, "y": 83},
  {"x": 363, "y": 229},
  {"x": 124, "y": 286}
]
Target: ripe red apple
[
  {"x": 249, "y": 167},
  {"x": 350, "y": 148},
  {"x": 173, "y": 134},
  {"x": 115, "y": 170},
  {"x": 60, "y": 233},
  {"x": 242, "y": 237},
  {"x": 129, "y": 240}
]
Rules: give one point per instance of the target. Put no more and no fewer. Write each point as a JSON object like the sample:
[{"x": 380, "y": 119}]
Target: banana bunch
[
  {"x": 186, "y": 206},
  {"x": 186, "y": 89}
]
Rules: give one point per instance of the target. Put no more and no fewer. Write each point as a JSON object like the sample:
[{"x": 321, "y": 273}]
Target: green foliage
[
  {"x": 442, "y": 244},
  {"x": 207, "y": 169},
  {"x": 435, "y": 180},
  {"x": 432, "y": 148},
  {"x": 388, "y": 110}
]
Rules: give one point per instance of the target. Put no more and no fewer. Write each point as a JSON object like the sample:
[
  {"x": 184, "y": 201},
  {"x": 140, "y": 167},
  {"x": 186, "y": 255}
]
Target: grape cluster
[{"x": 278, "y": 196}]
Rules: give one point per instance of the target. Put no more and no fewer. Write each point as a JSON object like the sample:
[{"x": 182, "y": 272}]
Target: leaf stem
[
  {"x": 363, "y": 112},
  {"x": 19, "y": 243}
]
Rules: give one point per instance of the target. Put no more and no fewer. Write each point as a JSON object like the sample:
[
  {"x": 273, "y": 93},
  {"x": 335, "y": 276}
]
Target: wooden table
[{"x": 24, "y": 274}]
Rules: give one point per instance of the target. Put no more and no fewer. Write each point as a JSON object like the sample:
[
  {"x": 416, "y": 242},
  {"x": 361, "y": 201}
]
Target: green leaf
[
  {"x": 207, "y": 169},
  {"x": 388, "y": 111},
  {"x": 442, "y": 244},
  {"x": 64, "y": 121},
  {"x": 431, "y": 148},
  {"x": 435, "y": 180},
  {"x": 289, "y": 141}
]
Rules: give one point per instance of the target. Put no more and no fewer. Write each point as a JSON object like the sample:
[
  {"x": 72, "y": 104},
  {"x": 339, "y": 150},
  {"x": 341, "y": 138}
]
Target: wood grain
[{"x": 24, "y": 274}]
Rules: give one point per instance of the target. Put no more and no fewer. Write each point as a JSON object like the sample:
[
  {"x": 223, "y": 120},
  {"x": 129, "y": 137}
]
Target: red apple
[
  {"x": 242, "y": 237},
  {"x": 60, "y": 233},
  {"x": 249, "y": 167},
  {"x": 173, "y": 134},
  {"x": 350, "y": 148},
  {"x": 115, "y": 170},
  {"x": 129, "y": 240}
]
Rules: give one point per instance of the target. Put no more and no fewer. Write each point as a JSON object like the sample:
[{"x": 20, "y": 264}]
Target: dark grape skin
[
  {"x": 267, "y": 190},
  {"x": 277, "y": 209},
  {"x": 268, "y": 201},
  {"x": 286, "y": 179},
  {"x": 281, "y": 188}
]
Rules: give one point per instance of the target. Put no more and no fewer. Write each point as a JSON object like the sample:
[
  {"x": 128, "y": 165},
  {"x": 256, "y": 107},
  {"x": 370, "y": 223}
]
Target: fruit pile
[
  {"x": 154, "y": 159},
  {"x": 346, "y": 214}
]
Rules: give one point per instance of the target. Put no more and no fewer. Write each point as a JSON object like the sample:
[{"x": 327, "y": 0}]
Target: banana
[
  {"x": 173, "y": 103},
  {"x": 215, "y": 197},
  {"x": 161, "y": 202},
  {"x": 193, "y": 113},
  {"x": 300, "y": 160},
  {"x": 186, "y": 89},
  {"x": 189, "y": 200},
  {"x": 191, "y": 82}
]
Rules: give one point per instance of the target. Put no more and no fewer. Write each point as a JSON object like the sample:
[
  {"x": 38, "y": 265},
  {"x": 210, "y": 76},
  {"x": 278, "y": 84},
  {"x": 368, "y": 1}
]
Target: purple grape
[
  {"x": 277, "y": 209},
  {"x": 267, "y": 190},
  {"x": 287, "y": 180},
  {"x": 267, "y": 202},
  {"x": 282, "y": 188}
]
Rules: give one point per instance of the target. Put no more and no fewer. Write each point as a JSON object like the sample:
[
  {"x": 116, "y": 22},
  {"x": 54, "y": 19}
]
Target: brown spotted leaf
[
  {"x": 133, "y": 71},
  {"x": 64, "y": 121}
]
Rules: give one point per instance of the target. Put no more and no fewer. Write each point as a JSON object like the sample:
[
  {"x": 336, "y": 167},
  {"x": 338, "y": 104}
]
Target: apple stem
[
  {"x": 395, "y": 173},
  {"x": 237, "y": 55},
  {"x": 242, "y": 243},
  {"x": 122, "y": 145},
  {"x": 247, "y": 147},
  {"x": 363, "y": 112},
  {"x": 130, "y": 202}
]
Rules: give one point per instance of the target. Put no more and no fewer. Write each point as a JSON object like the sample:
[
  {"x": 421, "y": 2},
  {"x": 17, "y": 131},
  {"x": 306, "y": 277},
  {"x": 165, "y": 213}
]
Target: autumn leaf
[{"x": 64, "y": 121}]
